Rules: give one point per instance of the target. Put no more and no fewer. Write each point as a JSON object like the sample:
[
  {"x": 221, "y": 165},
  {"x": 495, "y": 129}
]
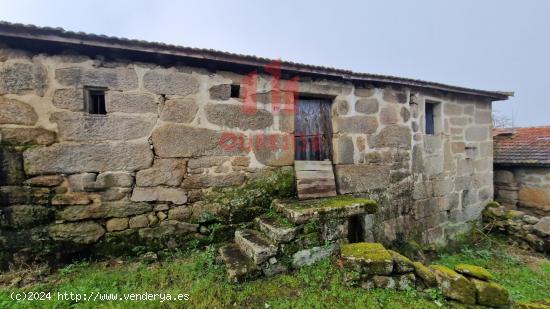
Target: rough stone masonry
[{"x": 72, "y": 182}]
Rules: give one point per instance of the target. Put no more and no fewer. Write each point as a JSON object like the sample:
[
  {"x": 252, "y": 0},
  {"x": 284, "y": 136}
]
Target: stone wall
[
  {"x": 80, "y": 181},
  {"x": 524, "y": 188},
  {"x": 430, "y": 186},
  {"x": 520, "y": 229}
]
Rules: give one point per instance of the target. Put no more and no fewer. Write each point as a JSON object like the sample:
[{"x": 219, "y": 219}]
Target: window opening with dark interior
[{"x": 96, "y": 101}]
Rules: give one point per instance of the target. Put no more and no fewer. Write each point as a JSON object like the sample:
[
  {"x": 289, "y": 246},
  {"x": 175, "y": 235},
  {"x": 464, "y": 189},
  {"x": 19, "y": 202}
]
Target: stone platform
[{"x": 342, "y": 206}]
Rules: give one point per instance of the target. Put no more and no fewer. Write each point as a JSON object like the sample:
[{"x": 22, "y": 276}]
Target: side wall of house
[
  {"x": 430, "y": 186},
  {"x": 524, "y": 188},
  {"x": 138, "y": 175}
]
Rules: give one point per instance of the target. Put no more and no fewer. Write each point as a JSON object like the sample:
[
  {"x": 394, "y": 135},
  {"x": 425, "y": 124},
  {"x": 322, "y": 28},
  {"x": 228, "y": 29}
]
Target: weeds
[{"x": 198, "y": 273}]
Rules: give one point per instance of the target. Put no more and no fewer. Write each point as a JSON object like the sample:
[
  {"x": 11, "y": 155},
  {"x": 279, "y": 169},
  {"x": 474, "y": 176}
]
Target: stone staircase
[{"x": 293, "y": 234}]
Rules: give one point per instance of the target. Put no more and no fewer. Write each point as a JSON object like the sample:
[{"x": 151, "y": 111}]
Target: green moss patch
[
  {"x": 491, "y": 294},
  {"x": 454, "y": 285},
  {"x": 542, "y": 304},
  {"x": 474, "y": 271},
  {"x": 492, "y": 204},
  {"x": 446, "y": 271},
  {"x": 331, "y": 202},
  {"x": 256, "y": 196},
  {"x": 368, "y": 258},
  {"x": 402, "y": 264},
  {"x": 511, "y": 214},
  {"x": 364, "y": 249},
  {"x": 425, "y": 274}
]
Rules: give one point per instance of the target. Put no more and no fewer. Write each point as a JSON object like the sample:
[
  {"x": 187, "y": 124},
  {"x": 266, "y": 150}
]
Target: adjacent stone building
[
  {"x": 522, "y": 169},
  {"x": 115, "y": 141}
]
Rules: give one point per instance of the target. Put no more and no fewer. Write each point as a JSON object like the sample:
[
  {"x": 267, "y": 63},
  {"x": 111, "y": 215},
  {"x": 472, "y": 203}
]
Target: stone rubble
[
  {"x": 370, "y": 265},
  {"x": 521, "y": 229}
]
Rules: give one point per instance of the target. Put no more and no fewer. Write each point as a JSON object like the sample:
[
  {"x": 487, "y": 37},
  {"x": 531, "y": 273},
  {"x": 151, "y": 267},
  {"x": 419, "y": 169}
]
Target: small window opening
[
  {"x": 355, "y": 229},
  {"x": 96, "y": 101},
  {"x": 235, "y": 91},
  {"x": 430, "y": 121},
  {"x": 432, "y": 114}
]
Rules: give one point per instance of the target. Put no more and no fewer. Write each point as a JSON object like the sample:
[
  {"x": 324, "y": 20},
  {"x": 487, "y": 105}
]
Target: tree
[{"x": 502, "y": 121}]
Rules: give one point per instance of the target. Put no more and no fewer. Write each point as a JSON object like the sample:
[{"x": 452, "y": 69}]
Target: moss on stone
[
  {"x": 331, "y": 202},
  {"x": 425, "y": 274},
  {"x": 492, "y": 204},
  {"x": 454, "y": 285},
  {"x": 369, "y": 258},
  {"x": 402, "y": 264},
  {"x": 399, "y": 257},
  {"x": 541, "y": 304},
  {"x": 532, "y": 305},
  {"x": 491, "y": 294},
  {"x": 474, "y": 271},
  {"x": 257, "y": 193},
  {"x": 511, "y": 214},
  {"x": 364, "y": 249},
  {"x": 445, "y": 270}
]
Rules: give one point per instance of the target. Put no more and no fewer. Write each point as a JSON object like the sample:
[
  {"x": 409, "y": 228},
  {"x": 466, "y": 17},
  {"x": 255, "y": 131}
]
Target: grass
[
  {"x": 198, "y": 274},
  {"x": 526, "y": 276}
]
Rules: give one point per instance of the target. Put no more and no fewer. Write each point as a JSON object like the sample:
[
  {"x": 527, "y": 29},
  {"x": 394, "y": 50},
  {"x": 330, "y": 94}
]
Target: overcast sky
[{"x": 490, "y": 44}]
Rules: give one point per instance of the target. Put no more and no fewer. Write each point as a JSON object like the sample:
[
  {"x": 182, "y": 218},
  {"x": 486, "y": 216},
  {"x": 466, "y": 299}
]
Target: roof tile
[{"x": 525, "y": 146}]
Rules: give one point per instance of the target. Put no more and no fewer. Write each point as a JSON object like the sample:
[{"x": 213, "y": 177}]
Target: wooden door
[{"x": 313, "y": 130}]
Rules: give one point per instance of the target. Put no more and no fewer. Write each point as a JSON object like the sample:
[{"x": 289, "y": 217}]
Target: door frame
[{"x": 329, "y": 100}]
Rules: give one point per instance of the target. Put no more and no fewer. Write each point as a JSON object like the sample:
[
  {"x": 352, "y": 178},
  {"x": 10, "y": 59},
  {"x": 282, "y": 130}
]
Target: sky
[{"x": 491, "y": 44}]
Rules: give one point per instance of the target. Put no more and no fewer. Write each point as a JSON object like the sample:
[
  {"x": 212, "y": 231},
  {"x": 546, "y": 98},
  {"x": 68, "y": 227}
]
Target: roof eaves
[{"x": 59, "y": 35}]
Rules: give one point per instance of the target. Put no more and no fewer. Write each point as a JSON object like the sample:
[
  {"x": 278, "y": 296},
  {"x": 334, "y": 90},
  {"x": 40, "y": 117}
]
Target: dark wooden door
[{"x": 313, "y": 130}]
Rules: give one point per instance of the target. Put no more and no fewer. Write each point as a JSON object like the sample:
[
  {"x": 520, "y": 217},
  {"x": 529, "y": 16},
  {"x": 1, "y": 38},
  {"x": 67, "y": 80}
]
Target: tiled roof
[
  {"x": 59, "y": 36},
  {"x": 522, "y": 146}
]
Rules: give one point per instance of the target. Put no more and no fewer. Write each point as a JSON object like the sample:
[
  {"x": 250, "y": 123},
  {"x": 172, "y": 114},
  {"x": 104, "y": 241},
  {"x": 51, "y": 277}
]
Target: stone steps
[
  {"x": 277, "y": 230},
  {"x": 254, "y": 245},
  {"x": 283, "y": 240},
  {"x": 239, "y": 266}
]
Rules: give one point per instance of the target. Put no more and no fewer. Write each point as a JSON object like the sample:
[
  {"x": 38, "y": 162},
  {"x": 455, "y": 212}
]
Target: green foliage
[
  {"x": 257, "y": 193},
  {"x": 311, "y": 226},
  {"x": 200, "y": 275},
  {"x": 321, "y": 285},
  {"x": 278, "y": 219}
]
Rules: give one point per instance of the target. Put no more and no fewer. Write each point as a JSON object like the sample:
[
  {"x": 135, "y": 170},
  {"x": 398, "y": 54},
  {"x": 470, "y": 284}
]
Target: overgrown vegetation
[
  {"x": 317, "y": 286},
  {"x": 259, "y": 192},
  {"x": 277, "y": 219},
  {"x": 200, "y": 275},
  {"x": 526, "y": 276}
]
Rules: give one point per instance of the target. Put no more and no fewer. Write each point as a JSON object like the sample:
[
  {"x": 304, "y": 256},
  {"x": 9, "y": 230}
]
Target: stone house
[
  {"x": 106, "y": 139},
  {"x": 522, "y": 169}
]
